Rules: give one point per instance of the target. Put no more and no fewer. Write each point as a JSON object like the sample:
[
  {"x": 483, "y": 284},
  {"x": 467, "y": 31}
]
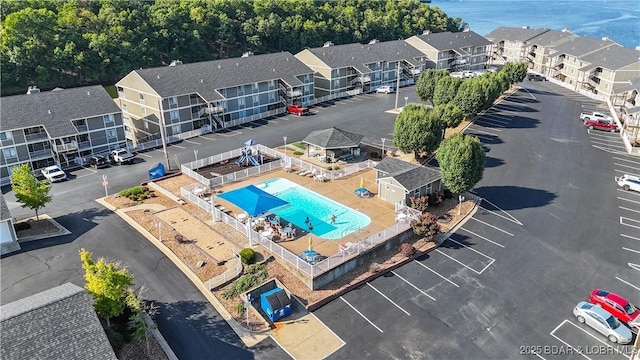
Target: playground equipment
[{"x": 250, "y": 156}]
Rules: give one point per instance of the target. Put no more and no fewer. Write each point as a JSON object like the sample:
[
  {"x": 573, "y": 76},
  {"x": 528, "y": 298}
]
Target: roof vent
[
  {"x": 327, "y": 44},
  {"x": 88, "y": 93},
  {"x": 606, "y": 38},
  {"x": 201, "y": 81},
  {"x": 158, "y": 76},
  {"x": 374, "y": 41},
  {"x": 219, "y": 67},
  {"x": 426, "y": 32},
  {"x": 33, "y": 90},
  {"x": 175, "y": 63},
  {"x": 353, "y": 58},
  {"x": 237, "y": 64},
  {"x": 274, "y": 69},
  {"x": 247, "y": 54},
  {"x": 49, "y": 112},
  {"x": 526, "y": 27}
]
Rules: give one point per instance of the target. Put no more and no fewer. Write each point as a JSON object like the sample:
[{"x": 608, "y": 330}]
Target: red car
[
  {"x": 618, "y": 306},
  {"x": 297, "y": 109},
  {"x": 601, "y": 124}
]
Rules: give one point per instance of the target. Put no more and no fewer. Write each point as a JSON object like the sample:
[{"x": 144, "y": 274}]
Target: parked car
[
  {"x": 53, "y": 173},
  {"x": 602, "y": 321},
  {"x": 385, "y": 90},
  {"x": 593, "y": 115},
  {"x": 457, "y": 74},
  {"x": 618, "y": 306},
  {"x": 628, "y": 182},
  {"x": 536, "y": 77},
  {"x": 98, "y": 162},
  {"x": 297, "y": 109},
  {"x": 601, "y": 124},
  {"x": 122, "y": 156},
  {"x": 468, "y": 74}
]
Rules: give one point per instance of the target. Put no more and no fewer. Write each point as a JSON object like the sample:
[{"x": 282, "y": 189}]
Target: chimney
[
  {"x": 88, "y": 93},
  {"x": 526, "y": 27},
  {"x": 33, "y": 90},
  {"x": 606, "y": 38},
  {"x": 49, "y": 112},
  {"x": 566, "y": 30},
  {"x": 247, "y": 54},
  {"x": 327, "y": 44},
  {"x": 374, "y": 41},
  {"x": 426, "y": 32},
  {"x": 175, "y": 63}
]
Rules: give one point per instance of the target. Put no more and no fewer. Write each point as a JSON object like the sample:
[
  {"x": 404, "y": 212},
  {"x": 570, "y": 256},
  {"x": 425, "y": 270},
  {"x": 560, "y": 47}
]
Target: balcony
[
  {"x": 414, "y": 71},
  {"x": 363, "y": 79},
  {"x": 40, "y": 154},
  {"x": 556, "y": 72},
  {"x": 82, "y": 128},
  {"x": 72, "y": 146},
  {"x": 593, "y": 82},
  {"x": 83, "y": 145},
  {"x": 458, "y": 61},
  {"x": 294, "y": 93},
  {"x": 36, "y": 136}
]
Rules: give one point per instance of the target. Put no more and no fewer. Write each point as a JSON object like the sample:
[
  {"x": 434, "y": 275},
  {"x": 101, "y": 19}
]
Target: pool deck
[{"x": 382, "y": 213}]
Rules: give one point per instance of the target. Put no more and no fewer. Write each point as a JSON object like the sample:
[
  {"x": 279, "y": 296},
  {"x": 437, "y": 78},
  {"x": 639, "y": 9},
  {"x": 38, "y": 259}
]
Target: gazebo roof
[{"x": 333, "y": 138}]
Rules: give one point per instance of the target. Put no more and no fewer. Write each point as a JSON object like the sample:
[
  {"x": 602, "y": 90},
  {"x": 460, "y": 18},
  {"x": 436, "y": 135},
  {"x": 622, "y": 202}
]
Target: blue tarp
[
  {"x": 157, "y": 171},
  {"x": 254, "y": 201}
]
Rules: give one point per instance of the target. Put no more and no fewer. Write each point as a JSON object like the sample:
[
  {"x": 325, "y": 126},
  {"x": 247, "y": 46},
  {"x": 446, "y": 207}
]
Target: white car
[
  {"x": 628, "y": 182},
  {"x": 53, "y": 173},
  {"x": 385, "y": 90},
  {"x": 602, "y": 321},
  {"x": 468, "y": 74}
]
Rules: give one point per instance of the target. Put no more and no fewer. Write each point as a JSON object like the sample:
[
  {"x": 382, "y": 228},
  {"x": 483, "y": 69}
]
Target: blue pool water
[{"x": 306, "y": 203}]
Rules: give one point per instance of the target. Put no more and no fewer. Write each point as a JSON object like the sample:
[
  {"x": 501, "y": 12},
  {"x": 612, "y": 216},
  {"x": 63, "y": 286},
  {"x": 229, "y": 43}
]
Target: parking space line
[
  {"x": 629, "y": 192},
  {"x": 472, "y": 249},
  {"x": 90, "y": 169},
  {"x": 605, "y": 136},
  {"x": 597, "y": 339},
  {"x": 192, "y": 142},
  {"x": 617, "y": 152},
  {"x": 626, "y": 172},
  {"x": 476, "y": 123},
  {"x": 489, "y": 122},
  {"x": 482, "y": 131},
  {"x": 415, "y": 287},
  {"x": 359, "y": 313},
  {"x": 178, "y": 146},
  {"x": 538, "y": 355},
  {"x": 628, "y": 283},
  {"x": 482, "y": 237},
  {"x": 626, "y": 248},
  {"x": 391, "y": 301},
  {"x": 331, "y": 331},
  {"x": 633, "y": 161},
  {"x": 433, "y": 271},
  {"x": 145, "y": 155},
  {"x": 624, "y": 208},
  {"x": 628, "y": 166},
  {"x": 468, "y": 267},
  {"x": 629, "y": 200},
  {"x": 564, "y": 342},
  {"x": 623, "y": 219},
  {"x": 495, "y": 227},
  {"x": 611, "y": 146},
  {"x": 630, "y": 237},
  {"x": 207, "y": 138},
  {"x": 511, "y": 218},
  {"x": 281, "y": 347}
]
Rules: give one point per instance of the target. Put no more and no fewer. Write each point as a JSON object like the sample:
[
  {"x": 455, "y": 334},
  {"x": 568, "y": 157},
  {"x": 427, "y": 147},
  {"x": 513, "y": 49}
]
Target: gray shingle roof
[
  {"x": 514, "y": 34},
  {"x": 333, "y": 138},
  {"x": 549, "y": 37},
  {"x": 410, "y": 176},
  {"x": 613, "y": 57},
  {"x": 357, "y": 55},
  {"x": 5, "y": 214},
  {"x": 634, "y": 84},
  {"x": 447, "y": 40},
  {"x": 58, "y": 323},
  {"x": 580, "y": 46},
  {"x": 206, "y": 77},
  {"x": 55, "y": 109}
]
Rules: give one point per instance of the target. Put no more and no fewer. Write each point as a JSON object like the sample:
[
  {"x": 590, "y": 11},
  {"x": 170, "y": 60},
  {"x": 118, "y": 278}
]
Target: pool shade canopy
[{"x": 254, "y": 201}]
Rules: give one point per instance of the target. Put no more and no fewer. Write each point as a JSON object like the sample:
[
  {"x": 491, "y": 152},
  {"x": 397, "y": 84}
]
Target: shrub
[
  {"x": 254, "y": 276},
  {"x": 426, "y": 226},
  {"x": 407, "y": 249},
  {"x": 420, "y": 203},
  {"x": 329, "y": 168},
  {"x": 138, "y": 193},
  {"x": 299, "y": 144},
  {"x": 21, "y": 226},
  {"x": 247, "y": 256},
  {"x": 298, "y": 153},
  {"x": 448, "y": 194},
  {"x": 240, "y": 308},
  {"x": 374, "y": 155},
  {"x": 435, "y": 199},
  {"x": 336, "y": 168},
  {"x": 179, "y": 238}
]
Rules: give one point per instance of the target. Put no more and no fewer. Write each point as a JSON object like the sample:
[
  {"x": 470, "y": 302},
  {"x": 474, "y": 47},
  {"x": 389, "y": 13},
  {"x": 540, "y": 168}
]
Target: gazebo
[{"x": 333, "y": 143}]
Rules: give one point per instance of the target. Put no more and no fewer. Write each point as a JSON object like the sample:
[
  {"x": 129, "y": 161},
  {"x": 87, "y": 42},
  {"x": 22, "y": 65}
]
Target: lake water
[{"x": 619, "y": 20}]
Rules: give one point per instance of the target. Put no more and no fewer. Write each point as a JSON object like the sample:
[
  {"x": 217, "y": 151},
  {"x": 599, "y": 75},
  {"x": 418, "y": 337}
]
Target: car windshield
[
  {"x": 630, "y": 309},
  {"x": 613, "y": 323}
]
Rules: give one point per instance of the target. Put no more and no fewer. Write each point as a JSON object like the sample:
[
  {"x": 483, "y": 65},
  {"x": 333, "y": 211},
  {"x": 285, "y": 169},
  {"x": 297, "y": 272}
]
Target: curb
[
  {"x": 248, "y": 338},
  {"x": 63, "y": 230}
]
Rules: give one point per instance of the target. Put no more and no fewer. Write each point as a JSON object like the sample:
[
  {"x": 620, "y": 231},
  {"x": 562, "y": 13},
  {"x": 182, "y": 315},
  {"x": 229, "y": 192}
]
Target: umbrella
[
  {"x": 310, "y": 244},
  {"x": 250, "y": 142},
  {"x": 361, "y": 182}
]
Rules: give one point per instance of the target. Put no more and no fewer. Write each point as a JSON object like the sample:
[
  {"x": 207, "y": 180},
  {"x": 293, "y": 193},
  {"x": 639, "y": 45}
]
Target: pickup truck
[
  {"x": 297, "y": 109},
  {"x": 122, "y": 156},
  {"x": 593, "y": 115},
  {"x": 53, "y": 173},
  {"x": 601, "y": 124}
]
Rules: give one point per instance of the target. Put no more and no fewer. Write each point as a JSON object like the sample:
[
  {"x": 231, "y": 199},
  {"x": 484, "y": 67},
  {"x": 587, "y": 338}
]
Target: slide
[
  {"x": 254, "y": 161},
  {"x": 241, "y": 159}
]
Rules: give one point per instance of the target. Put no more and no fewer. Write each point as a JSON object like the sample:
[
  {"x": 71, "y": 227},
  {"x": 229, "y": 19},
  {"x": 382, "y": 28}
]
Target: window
[
  {"x": 111, "y": 134},
  {"x": 336, "y": 82},
  {"x": 10, "y": 153},
  {"x": 141, "y": 96},
  {"x": 173, "y": 101},
  {"x": 255, "y": 87},
  {"x": 175, "y": 129},
  {"x": 143, "y": 110},
  {"x": 241, "y": 102},
  {"x": 146, "y": 125},
  {"x": 256, "y": 100},
  {"x": 124, "y": 107},
  {"x": 240, "y": 90},
  {"x": 6, "y": 135},
  {"x": 108, "y": 119},
  {"x": 174, "y": 115}
]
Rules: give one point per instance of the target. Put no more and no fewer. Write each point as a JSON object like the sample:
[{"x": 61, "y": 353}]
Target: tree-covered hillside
[{"x": 72, "y": 43}]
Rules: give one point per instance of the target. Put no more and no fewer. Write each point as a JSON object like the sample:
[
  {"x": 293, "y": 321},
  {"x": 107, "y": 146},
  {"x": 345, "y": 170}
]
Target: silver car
[{"x": 602, "y": 321}]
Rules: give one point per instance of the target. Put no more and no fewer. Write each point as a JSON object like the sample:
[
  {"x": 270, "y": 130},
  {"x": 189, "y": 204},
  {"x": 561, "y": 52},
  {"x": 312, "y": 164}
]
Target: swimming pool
[{"x": 306, "y": 203}]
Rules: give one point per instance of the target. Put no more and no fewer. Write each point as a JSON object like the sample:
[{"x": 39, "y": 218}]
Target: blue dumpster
[
  {"x": 276, "y": 304},
  {"x": 157, "y": 171}
]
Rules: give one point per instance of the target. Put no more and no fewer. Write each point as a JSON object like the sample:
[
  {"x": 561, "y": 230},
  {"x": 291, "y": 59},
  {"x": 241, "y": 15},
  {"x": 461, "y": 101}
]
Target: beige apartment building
[{"x": 459, "y": 51}]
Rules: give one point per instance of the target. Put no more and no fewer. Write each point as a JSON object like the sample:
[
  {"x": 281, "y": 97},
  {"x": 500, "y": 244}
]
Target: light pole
[
  {"x": 105, "y": 183},
  {"x": 460, "y": 199},
  {"x": 398, "y": 86},
  {"x": 285, "y": 145},
  {"x": 406, "y": 98},
  {"x": 159, "y": 226},
  {"x": 195, "y": 152},
  {"x": 382, "y": 155}
]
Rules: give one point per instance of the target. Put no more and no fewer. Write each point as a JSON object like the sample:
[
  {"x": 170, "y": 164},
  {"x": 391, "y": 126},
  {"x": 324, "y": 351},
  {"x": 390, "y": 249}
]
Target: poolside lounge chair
[
  {"x": 313, "y": 173},
  {"x": 304, "y": 172},
  {"x": 320, "y": 178},
  {"x": 287, "y": 168}
]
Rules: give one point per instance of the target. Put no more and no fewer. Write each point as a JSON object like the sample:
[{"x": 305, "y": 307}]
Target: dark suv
[
  {"x": 536, "y": 77},
  {"x": 98, "y": 162}
]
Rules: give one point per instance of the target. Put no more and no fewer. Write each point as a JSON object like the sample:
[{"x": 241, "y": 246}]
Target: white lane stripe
[
  {"x": 495, "y": 227},
  {"x": 433, "y": 271},
  {"x": 178, "y": 146},
  {"x": 626, "y": 172},
  {"x": 629, "y": 192},
  {"x": 359, "y": 313},
  {"x": 468, "y": 267},
  {"x": 624, "y": 208},
  {"x": 487, "y": 266},
  {"x": 629, "y": 200},
  {"x": 415, "y": 287},
  {"x": 482, "y": 131},
  {"x": 513, "y": 219},
  {"x": 206, "y": 138},
  {"x": 482, "y": 237},
  {"x": 391, "y": 301},
  {"x": 617, "y": 152},
  {"x": 492, "y": 129},
  {"x": 489, "y": 122},
  {"x": 472, "y": 249},
  {"x": 630, "y": 237},
  {"x": 628, "y": 283},
  {"x": 562, "y": 341},
  {"x": 145, "y": 155},
  {"x": 536, "y": 354},
  {"x": 328, "y": 328},
  {"x": 605, "y": 136},
  {"x": 633, "y": 161},
  {"x": 622, "y": 220},
  {"x": 282, "y": 347},
  {"x": 593, "y": 336},
  {"x": 635, "y": 167},
  {"x": 626, "y": 248},
  {"x": 607, "y": 145},
  {"x": 192, "y": 142}
]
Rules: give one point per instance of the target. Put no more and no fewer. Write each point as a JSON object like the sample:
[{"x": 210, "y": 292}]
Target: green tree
[
  {"x": 445, "y": 90},
  {"x": 515, "y": 72},
  {"x": 426, "y": 84},
  {"x": 461, "y": 159},
  {"x": 470, "y": 97},
  {"x": 417, "y": 130},
  {"x": 450, "y": 114},
  {"x": 31, "y": 192},
  {"x": 109, "y": 284}
]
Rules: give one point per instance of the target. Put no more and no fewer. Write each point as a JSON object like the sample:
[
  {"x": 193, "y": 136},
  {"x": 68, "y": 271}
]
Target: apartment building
[
  {"x": 63, "y": 126},
  {"x": 609, "y": 68},
  {"x": 362, "y": 67},
  {"x": 626, "y": 102},
  {"x": 211, "y": 94},
  {"x": 512, "y": 43},
  {"x": 458, "y": 51},
  {"x": 539, "y": 48}
]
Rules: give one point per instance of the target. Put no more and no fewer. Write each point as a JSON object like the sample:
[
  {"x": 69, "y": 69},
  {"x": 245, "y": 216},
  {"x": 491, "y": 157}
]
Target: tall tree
[
  {"x": 31, "y": 192},
  {"x": 110, "y": 285},
  {"x": 417, "y": 130},
  {"x": 450, "y": 115},
  {"x": 461, "y": 159},
  {"x": 516, "y": 72},
  {"x": 470, "y": 97},
  {"x": 445, "y": 90},
  {"x": 426, "y": 84}
]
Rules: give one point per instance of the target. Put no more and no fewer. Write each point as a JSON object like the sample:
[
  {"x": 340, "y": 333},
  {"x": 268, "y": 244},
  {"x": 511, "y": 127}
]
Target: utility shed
[{"x": 276, "y": 304}]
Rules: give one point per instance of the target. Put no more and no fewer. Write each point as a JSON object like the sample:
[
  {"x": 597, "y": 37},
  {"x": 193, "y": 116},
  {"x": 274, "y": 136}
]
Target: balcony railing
[
  {"x": 294, "y": 93},
  {"x": 593, "y": 83},
  {"x": 559, "y": 63},
  {"x": 85, "y": 144},
  {"x": 36, "y": 136},
  {"x": 35, "y": 155},
  {"x": 82, "y": 128},
  {"x": 557, "y": 72},
  {"x": 72, "y": 146}
]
